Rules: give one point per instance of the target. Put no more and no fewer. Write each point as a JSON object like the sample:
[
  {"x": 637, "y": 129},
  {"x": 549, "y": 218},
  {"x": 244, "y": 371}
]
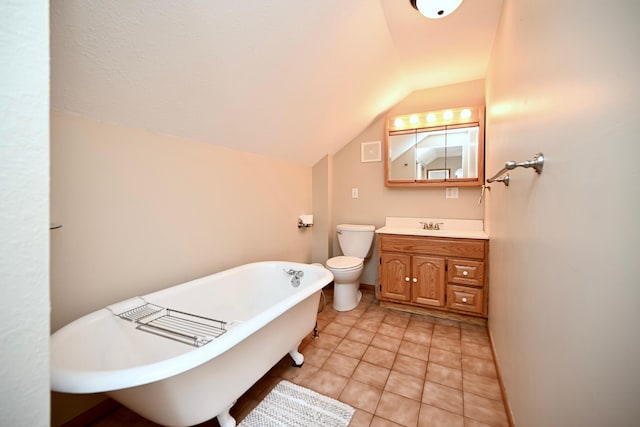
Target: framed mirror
[{"x": 437, "y": 148}]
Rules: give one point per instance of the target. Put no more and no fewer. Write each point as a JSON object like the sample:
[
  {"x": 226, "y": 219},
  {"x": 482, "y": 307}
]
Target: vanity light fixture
[
  {"x": 435, "y": 9},
  {"x": 428, "y": 119}
]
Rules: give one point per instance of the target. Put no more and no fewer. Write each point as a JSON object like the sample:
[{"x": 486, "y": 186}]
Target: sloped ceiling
[{"x": 288, "y": 79}]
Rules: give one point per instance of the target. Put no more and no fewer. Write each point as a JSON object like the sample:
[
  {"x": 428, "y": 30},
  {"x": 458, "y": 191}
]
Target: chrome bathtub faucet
[{"x": 295, "y": 276}]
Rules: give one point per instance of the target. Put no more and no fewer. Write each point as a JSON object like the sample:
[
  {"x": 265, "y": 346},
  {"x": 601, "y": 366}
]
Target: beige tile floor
[{"x": 396, "y": 369}]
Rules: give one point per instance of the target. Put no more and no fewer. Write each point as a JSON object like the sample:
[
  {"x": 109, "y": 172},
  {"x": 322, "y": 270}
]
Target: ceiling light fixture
[{"x": 435, "y": 9}]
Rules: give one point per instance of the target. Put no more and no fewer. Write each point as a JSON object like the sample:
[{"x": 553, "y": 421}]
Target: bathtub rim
[{"x": 75, "y": 381}]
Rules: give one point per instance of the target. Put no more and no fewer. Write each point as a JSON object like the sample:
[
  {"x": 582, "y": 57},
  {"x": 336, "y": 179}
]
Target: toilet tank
[{"x": 355, "y": 240}]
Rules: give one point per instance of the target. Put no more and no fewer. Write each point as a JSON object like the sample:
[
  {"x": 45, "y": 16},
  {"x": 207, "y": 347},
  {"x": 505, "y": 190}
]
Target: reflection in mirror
[
  {"x": 452, "y": 151},
  {"x": 402, "y": 157},
  {"x": 439, "y": 154}
]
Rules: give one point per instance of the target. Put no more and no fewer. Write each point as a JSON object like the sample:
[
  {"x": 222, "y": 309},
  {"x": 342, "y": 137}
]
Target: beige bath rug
[{"x": 291, "y": 405}]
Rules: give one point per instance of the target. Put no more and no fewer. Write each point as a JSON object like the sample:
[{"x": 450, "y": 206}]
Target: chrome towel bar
[{"x": 537, "y": 163}]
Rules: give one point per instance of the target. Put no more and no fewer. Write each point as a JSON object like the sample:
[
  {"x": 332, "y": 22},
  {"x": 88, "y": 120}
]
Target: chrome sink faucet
[{"x": 431, "y": 225}]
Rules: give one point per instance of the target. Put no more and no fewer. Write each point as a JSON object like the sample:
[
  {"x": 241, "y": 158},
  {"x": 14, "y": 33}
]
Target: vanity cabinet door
[
  {"x": 428, "y": 280},
  {"x": 395, "y": 280}
]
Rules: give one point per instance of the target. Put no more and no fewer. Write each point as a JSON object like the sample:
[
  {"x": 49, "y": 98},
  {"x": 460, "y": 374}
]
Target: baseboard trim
[
  {"x": 473, "y": 320},
  {"x": 503, "y": 390}
]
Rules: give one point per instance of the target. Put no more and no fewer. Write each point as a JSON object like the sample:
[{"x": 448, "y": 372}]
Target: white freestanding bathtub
[{"x": 177, "y": 384}]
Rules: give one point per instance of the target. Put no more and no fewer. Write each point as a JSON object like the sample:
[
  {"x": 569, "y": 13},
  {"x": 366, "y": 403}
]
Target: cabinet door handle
[
  {"x": 406, "y": 279},
  {"x": 465, "y": 273},
  {"x": 464, "y": 300},
  {"x": 415, "y": 280}
]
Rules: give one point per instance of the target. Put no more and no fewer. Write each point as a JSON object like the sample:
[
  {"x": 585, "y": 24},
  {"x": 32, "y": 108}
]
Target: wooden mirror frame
[{"x": 418, "y": 121}]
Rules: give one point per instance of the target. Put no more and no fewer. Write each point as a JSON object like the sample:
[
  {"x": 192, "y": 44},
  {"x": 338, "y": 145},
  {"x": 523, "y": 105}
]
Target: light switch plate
[
  {"x": 354, "y": 193},
  {"x": 451, "y": 193}
]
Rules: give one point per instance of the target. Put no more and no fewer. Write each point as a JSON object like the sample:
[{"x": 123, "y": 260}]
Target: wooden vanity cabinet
[
  {"x": 416, "y": 279},
  {"x": 445, "y": 274}
]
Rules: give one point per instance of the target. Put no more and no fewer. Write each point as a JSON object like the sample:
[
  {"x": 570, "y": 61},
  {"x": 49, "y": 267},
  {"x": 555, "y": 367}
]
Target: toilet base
[{"x": 346, "y": 296}]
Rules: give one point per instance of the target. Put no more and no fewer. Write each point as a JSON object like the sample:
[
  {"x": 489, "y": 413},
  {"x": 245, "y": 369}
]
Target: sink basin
[{"x": 454, "y": 228}]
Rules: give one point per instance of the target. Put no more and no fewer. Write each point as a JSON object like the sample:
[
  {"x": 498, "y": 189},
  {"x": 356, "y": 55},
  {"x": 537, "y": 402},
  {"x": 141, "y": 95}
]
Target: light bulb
[
  {"x": 413, "y": 119},
  {"x": 448, "y": 115},
  {"x": 435, "y": 9},
  {"x": 431, "y": 117},
  {"x": 465, "y": 114},
  {"x": 398, "y": 122}
]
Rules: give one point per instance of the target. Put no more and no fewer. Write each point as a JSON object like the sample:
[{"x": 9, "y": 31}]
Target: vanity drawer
[
  {"x": 467, "y": 248},
  {"x": 465, "y": 299},
  {"x": 465, "y": 272}
]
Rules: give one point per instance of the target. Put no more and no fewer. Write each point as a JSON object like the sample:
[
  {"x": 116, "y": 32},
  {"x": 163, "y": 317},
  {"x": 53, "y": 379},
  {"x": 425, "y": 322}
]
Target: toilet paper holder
[{"x": 305, "y": 221}]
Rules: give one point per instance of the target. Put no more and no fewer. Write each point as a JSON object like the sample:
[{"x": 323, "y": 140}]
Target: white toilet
[{"x": 355, "y": 242}]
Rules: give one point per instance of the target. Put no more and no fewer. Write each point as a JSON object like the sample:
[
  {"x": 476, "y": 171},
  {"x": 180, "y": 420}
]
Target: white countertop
[
  {"x": 456, "y": 234},
  {"x": 452, "y": 228}
]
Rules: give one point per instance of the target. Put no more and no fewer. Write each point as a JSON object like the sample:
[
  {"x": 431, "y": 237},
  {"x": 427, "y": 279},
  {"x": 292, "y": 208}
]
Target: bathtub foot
[
  {"x": 225, "y": 419},
  {"x": 315, "y": 335},
  {"x": 298, "y": 358}
]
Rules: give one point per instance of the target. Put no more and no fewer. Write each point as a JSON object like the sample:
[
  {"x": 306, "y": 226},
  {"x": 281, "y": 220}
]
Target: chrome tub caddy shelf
[{"x": 174, "y": 324}]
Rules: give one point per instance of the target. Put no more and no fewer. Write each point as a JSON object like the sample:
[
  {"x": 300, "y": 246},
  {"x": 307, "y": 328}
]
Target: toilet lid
[{"x": 344, "y": 262}]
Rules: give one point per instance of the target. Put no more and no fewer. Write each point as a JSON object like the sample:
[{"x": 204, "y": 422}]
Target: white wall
[
  {"x": 143, "y": 211},
  {"x": 376, "y": 201},
  {"x": 24, "y": 213},
  {"x": 564, "y": 283}
]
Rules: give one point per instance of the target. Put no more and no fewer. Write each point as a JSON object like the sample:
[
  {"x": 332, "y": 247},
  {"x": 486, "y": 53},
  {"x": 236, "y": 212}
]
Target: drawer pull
[
  {"x": 464, "y": 300},
  {"x": 406, "y": 279},
  {"x": 415, "y": 280},
  {"x": 465, "y": 273}
]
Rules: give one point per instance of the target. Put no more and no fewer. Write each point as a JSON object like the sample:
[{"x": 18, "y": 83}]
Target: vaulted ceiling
[{"x": 287, "y": 79}]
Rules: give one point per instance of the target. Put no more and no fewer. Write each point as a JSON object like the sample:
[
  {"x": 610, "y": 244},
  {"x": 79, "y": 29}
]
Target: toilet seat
[{"x": 345, "y": 262}]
